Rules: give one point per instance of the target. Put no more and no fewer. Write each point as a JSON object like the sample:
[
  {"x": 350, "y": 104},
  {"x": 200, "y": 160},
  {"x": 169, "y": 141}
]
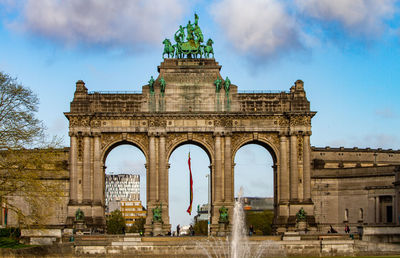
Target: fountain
[{"x": 238, "y": 244}]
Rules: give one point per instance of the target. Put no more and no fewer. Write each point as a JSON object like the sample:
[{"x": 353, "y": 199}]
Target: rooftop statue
[
  {"x": 227, "y": 85},
  {"x": 151, "y": 84},
  {"x": 192, "y": 48}
]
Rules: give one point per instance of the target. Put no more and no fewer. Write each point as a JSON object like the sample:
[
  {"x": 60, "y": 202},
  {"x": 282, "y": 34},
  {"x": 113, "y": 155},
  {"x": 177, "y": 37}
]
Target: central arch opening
[
  {"x": 179, "y": 188},
  {"x": 125, "y": 185},
  {"x": 254, "y": 173}
]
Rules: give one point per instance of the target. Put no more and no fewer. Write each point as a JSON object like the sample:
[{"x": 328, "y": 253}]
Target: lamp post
[{"x": 209, "y": 205}]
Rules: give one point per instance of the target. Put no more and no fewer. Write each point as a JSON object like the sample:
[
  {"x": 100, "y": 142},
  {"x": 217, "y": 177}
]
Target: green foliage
[
  {"x": 138, "y": 226},
  {"x": 22, "y": 189},
  {"x": 261, "y": 221},
  {"x": 201, "y": 228},
  {"x": 10, "y": 232},
  {"x": 116, "y": 223},
  {"x": 8, "y": 242}
]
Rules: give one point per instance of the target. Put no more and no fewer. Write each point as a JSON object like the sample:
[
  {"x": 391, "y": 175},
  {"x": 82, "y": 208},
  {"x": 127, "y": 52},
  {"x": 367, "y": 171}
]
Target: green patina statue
[
  {"x": 208, "y": 49},
  {"x": 151, "y": 84},
  {"x": 162, "y": 85},
  {"x": 157, "y": 213},
  {"x": 217, "y": 84},
  {"x": 301, "y": 215},
  {"x": 79, "y": 215},
  {"x": 223, "y": 215},
  {"x": 192, "y": 48},
  {"x": 227, "y": 85},
  {"x": 169, "y": 49}
]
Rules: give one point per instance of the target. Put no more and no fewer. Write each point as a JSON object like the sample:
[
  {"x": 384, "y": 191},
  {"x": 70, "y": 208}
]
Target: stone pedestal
[
  {"x": 80, "y": 228},
  {"x": 301, "y": 226},
  {"x": 158, "y": 229},
  {"x": 223, "y": 229}
]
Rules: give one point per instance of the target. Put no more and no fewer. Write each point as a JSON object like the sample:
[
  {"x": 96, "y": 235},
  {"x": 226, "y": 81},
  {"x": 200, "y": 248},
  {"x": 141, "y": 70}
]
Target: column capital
[
  {"x": 152, "y": 134},
  {"x": 87, "y": 134},
  {"x": 96, "y": 134},
  {"x": 295, "y": 133},
  {"x": 71, "y": 134},
  {"x": 219, "y": 134}
]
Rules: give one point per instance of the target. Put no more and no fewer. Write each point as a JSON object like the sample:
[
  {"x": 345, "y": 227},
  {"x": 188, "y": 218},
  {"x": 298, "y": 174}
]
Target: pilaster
[{"x": 294, "y": 177}]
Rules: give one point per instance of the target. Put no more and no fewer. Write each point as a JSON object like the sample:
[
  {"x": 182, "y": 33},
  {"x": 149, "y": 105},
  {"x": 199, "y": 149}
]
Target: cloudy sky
[{"x": 346, "y": 51}]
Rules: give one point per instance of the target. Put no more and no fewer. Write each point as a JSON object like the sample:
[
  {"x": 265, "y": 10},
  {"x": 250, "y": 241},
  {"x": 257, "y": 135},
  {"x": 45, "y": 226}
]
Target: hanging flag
[{"x": 189, "y": 210}]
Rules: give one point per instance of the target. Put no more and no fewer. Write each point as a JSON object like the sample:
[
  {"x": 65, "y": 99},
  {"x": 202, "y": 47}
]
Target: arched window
[
  {"x": 361, "y": 214},
  {"x": 346, "y": 215}
]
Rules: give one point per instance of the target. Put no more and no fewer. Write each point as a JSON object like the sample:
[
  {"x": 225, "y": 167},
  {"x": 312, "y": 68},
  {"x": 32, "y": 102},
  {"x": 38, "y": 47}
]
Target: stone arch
[
  {"x": 267, "y": 144},
  {"x": 205, "y": 146},
  {"x": 115, "y": 143},
  {"x": 270, "y": 146}
]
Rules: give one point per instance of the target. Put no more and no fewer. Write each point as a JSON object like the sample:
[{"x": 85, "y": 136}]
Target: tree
[
  {"x": 22, "y": 189},
  {"x": 261, "y": 221},
  {"x": 116, "y": 223},
  {"x": 137, "y": 226},
  {"x": 201, "y": 227},
  {"x": 18, "y": 105}
]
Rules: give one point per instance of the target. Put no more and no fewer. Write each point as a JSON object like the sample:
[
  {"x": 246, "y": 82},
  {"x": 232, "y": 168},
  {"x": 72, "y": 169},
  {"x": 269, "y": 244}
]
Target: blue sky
[{"x": 346, "y": 52}]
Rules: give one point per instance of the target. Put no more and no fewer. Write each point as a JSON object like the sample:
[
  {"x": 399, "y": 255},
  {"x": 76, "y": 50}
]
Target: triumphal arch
[{"x": 190, "y": 102}]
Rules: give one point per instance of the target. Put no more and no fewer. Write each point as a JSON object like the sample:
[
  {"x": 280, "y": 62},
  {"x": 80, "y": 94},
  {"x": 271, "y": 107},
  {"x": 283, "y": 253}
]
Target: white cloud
[
  {"x": 258, "y": 27},
  {"x": 362, "y": 17},
  {"x": 131, "y": 23}
]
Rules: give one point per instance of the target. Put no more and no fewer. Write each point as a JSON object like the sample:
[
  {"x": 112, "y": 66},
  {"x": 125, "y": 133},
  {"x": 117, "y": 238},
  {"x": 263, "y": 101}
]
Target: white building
[{"x": 121, "y": 187}]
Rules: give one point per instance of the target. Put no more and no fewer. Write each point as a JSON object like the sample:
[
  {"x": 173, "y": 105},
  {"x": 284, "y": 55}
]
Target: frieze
[
  {"x": 75, "y": 121},
  {"x": 300, "y": 120},
  {"x": 157, "y": 122},
  {"x": 95, "y": 123},
  {"x": 282, "y": 121}
]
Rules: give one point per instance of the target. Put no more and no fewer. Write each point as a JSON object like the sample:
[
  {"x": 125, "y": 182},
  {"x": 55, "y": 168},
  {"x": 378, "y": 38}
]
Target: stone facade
[
  {"x": 191, "y": 111},
  {"x": 335, "y": 186},
  {"x": 354, "y": 187}
]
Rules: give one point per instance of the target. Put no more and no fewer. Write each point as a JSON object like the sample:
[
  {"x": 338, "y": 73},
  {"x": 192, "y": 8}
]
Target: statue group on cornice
[{"x": 193, "y": 47}]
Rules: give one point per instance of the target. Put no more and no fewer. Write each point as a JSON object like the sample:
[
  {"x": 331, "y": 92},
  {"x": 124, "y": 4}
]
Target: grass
[{"x": 7, "y": 242}]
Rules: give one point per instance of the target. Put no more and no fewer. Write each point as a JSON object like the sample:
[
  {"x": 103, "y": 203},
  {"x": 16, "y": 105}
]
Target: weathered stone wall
[
  {"x": 55, "y": 172},
  {"x": 354, "y": 187}
]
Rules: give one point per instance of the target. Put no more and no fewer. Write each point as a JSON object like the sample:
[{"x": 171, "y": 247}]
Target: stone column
[
  {"x": 294, "y": 178},
  {"x": 162, "y": 180},
  {"x": 73, "y": 171},
  {"x": 218, "y": 168},
  {"x": 229, "y": 195},
  {"x": 152, "y": 170},
  {"x": 306, "y": 168},
  {"x": 284, "y": 171},
  {"x": 87, "y": 184},
  {"x": 98, "y": 172}
]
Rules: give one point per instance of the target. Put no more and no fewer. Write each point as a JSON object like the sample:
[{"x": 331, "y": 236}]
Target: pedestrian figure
[
  {"x": 251, "y": 230},
  {"x": 191, "y": 230},
  {"x": 347, "y": 229},
  {"x": 332, "y": 230},
  {"x": 178, "y": 229}
]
